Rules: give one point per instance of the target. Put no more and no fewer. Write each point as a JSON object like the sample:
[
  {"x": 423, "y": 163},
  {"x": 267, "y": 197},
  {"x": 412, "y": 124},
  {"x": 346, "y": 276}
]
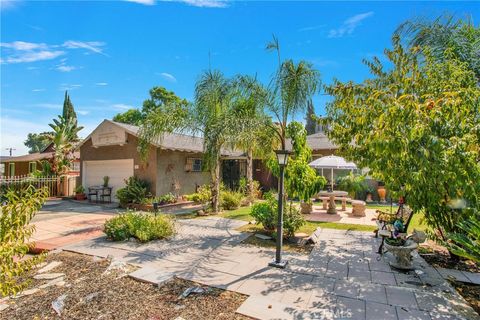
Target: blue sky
[{"x": 108, "y": 54}]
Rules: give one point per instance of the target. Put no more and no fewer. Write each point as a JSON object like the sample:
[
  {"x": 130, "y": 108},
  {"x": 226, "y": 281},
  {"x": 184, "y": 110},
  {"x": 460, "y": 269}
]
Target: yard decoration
[
  {"x": 106, "y": 179},
  {"x": 16, "y": 213},
  {"x": 382, "y": 124},
  {"x": 80, "y": 193}
]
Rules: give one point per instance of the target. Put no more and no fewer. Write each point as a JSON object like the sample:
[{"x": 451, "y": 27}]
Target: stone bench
[
  {"x": 324, "y": 202},
  {"x": 358, "y": 208}
]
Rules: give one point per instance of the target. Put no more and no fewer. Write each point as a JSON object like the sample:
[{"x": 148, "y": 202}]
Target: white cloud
[
  {"x": 101, "y": 84},
  {"x": 311, "y": 28},
  {"x": 38, "y": 90},
  {"x": 63, "y": 67},
  {"x": 168, "y": 76},
  {"x": 6, "y": 5},
  {"x": 68, "y": 87},
  {"x": 23, "y": 46},
  {"x": 94, "y": 46},
  {"x": 83, "y": 112},
  {"x": 206, "y": 3},
  {"x": 145, "y": 2},
  {"x": 48, "y": 105},
  {"x": 30, "y": 56},
  {"x": 122, "y": 107},
  {"x": 349, "y": 25}
]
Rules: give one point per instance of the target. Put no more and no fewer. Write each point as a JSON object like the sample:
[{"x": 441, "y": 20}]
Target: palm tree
[
  {"x": 210, "y": 115},
  {"x": 251, "y": 128},
  {"x": 64, "y": 138},
  {"x": 290, "y": 89},
  {"x": 445, "y": 34}
]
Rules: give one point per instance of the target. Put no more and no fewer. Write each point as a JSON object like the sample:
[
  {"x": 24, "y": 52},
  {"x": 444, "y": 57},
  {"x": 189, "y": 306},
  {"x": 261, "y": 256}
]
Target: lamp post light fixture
[{"x": 282, "y": 158}]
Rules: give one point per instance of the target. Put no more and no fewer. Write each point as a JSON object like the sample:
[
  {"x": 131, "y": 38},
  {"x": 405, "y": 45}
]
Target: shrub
[
  {"x": 266, "y": 215},
  {"x": 203, "y": 194},
  {"x": 18, "y": 208},
  {"x": 80, "y": 189},
  {"x": 292, "y": 220},
  {"x": 467, "y": 243},
  {"x": 164, "y": 199},
  {"x": 142, "y": 226},
  {"x": 230, "y": 200},
  {"x": 135, "y": 191}
]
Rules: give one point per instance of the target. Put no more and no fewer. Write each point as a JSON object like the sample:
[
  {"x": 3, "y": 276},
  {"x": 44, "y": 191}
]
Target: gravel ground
[{"x": 93, "y": 294}]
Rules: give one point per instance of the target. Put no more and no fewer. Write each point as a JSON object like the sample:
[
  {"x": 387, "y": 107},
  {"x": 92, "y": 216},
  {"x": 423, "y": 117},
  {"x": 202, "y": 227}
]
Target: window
[
  {"x": 75, "y": 166},
  {"x": 2, "y": 169},
  {"x": 32, "y": 167},
  {"x": 193, "y": 165},
  {"x": 11, "y": 169}
]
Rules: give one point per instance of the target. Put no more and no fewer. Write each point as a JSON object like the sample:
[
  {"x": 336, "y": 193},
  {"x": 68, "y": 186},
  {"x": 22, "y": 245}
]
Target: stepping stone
[
  {"x": 48, "y": 276},
  {"x": 157, "y": 277},
  {"x": 52, "y": 265},
  {"x": 262, "y": 236},
  {"x": 52, "y": 282},
  {"x": 451, "y": 274},
  {"x": 26, "y": 293},
  {"x": 3, "y": 306}
]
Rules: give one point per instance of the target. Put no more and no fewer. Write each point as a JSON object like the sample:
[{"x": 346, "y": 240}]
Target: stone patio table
[{"x": 332, "y": 209}]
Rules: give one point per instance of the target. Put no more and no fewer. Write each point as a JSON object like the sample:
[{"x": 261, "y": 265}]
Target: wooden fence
[{"x": 56, "y": 185}]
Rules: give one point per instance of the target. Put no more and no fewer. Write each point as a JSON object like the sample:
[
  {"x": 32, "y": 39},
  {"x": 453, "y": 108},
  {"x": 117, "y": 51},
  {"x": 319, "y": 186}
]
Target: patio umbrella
[{"x": 332, "y": 162}]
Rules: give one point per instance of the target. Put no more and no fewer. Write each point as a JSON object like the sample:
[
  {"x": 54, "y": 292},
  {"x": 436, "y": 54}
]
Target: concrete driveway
[{"x": 63, "y": 222}]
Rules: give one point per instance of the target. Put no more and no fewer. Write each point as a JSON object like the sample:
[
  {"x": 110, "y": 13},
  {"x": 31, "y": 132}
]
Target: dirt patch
[
  {"x": 438, "y": 257},
  {"x": 287, "y": 245},
  {"x": 469, "y": 292},
  {"x": 93, "y": 294}
]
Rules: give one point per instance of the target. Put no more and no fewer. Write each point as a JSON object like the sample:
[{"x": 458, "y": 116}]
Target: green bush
[
  {"x": 467, "y": 242},
  {"x": 142, "y": 226},
  {"x": 135, "y": 191},
  {"x": 266, "y": 213},
  {"x": 203, "y": 194},
  {"x": 230, "y": 200},
  {"x": 164, "y": 199}
]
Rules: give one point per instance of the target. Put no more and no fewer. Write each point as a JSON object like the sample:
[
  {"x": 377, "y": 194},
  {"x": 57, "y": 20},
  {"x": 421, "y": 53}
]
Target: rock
[
  {"x": 262, "y": 236},
  {"x": 59, "y": 303},
  {"x": 97, "y": 258},
  {"x": 190, "y": 290},
  {"x": 116, "y": 264},
  {"x": 27, "y": 293},
  {"x": 48, "y": 276},
  {"x": 61, "y": 284},
  {"x": 202, "y": 213},
  {"x": 3, "y": 306},
  {"x": 52, "y": 282},
  {"x": 179, "y": 318},
  {"x": 252, "y": 222},
  {"x": 91, "y": 296},
  {"x": 41, "y": 265},
  {"x": 52, "y": 265},
  {"x": 179, "y": 307}
]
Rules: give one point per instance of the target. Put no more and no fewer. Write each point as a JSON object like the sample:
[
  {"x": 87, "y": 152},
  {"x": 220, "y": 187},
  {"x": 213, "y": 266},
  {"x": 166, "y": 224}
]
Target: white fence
[{"x": 56, "y": 185}]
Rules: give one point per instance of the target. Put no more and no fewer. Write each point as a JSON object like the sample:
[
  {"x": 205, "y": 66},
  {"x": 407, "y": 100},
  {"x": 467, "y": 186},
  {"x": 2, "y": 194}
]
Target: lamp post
[{"x": 282, "y": 158}]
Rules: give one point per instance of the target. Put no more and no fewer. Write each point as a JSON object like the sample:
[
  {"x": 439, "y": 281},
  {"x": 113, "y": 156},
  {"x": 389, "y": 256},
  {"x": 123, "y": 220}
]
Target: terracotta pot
[
  {"x": 369, "y": 197},
  {"x": 382, "y": 192},
  {"x": 80, "y": 196}
]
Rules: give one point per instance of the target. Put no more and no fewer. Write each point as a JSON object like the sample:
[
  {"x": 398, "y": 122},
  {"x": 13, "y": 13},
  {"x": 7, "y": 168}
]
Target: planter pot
[
  {"x": 80, "y": 196},
  {"x": 306, "y": 208},
  {"x": 382, "y": 193},
  {"x": 402, "y": 255}
]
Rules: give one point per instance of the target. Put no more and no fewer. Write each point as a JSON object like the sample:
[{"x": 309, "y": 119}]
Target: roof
[
  {"x": 37, "y": 156},
  {"x": 169, "y": 141},
  {"x": 316, "y": 141}
]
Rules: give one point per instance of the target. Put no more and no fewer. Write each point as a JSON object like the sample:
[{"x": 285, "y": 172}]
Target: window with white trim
[
  {"x": 11, "y": 169},
  {"x": 32, "y": 167}
]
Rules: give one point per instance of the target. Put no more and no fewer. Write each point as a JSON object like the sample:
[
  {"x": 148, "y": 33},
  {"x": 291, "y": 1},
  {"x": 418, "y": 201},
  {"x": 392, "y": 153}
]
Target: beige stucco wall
[{"x": 171, "y": 169}]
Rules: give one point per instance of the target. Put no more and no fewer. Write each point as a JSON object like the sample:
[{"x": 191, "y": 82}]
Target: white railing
[{"x": 56, "y": 185}]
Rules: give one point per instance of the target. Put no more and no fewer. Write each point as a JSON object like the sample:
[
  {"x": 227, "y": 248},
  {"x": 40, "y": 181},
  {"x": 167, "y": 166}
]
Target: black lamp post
[{"x": 282, "y": 158}]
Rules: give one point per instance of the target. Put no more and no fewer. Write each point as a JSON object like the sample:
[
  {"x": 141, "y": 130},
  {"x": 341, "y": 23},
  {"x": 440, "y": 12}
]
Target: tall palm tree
[
  {"x": 291, "y": 88},
  {"x": 210, "y": 115},
  {"x": 443, "y": 34},
  {"x": 64, "y": 138}
]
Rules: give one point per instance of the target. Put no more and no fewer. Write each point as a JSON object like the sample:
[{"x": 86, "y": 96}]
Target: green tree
[
  {"x": 159, "y": 98},
  {"x": 310, "y": 123},
  {"x": 37, "y": 142},
  {"x": 131, "y": 116},
  {"x": 210, "y": 115},
  {"x": 416, "y": 126},
  {"x": 458, "y": 36},
  {"x": 18, "y": 209}
]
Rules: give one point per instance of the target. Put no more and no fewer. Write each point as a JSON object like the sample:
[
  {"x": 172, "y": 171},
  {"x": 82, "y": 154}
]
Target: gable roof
[
  {"x": 316, "y": 141},
  {"x": 37, "y": 156}
]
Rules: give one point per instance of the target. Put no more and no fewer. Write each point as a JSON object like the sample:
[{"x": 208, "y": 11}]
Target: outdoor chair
[
  {"x": 92, "y": 192},
  {"x": 324, "y": 202},
  {"x": 358, "y": 208},
  {"x": 385, "y": 222},
  {"x": 106, "y": 194}
]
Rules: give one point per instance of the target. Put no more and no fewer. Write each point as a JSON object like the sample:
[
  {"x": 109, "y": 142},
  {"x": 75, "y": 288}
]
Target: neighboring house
[
  {"x": 174, "y": 163},
  {"x": 29, "y": 163}
]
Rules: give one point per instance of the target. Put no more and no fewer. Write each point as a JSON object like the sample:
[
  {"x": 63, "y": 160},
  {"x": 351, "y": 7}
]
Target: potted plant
[
  {"x": 382, "y": 192},
  {"x": 80, "y": 193},
  {"x": 106, "y": 179}
]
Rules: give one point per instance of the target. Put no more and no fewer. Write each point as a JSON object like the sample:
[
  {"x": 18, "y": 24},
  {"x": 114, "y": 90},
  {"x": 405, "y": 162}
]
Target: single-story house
[
  {"x": 174, "y": 163},
  {"x": 29, "y": 163}
]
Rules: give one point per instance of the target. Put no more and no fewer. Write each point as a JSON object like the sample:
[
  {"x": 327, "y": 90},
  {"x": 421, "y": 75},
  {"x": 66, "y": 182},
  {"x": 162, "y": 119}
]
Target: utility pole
[{"x": 10, "y": 150}]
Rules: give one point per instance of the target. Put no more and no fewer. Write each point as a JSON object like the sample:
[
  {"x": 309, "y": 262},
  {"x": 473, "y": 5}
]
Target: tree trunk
[
  {"x": 216, "y": 187},
  {"x": 251, "y": 195}
]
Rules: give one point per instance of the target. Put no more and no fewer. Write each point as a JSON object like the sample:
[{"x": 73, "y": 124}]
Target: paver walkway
[{"x": 342, "y": 278}]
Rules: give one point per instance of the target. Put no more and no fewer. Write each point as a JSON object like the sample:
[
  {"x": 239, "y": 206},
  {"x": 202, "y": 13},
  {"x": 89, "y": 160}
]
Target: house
[
  {"x": 30, "y": 163},
  {"x": 174, "y": 163}
]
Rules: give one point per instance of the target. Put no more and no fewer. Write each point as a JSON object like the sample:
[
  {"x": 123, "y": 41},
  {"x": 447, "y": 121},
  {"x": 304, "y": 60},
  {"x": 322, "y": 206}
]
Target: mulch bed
[
  {"x": 116, "y": 296},
  {"x": 469, "y": 292},
  {"x": 438, "y": 257}
]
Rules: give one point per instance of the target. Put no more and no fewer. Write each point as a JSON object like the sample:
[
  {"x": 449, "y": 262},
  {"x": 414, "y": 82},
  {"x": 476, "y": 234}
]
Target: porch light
[{"x": 282, "y": 157}]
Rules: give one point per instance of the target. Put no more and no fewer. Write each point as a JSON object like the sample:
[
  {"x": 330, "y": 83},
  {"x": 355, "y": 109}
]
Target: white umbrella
[{"x": 332, "y": 162}]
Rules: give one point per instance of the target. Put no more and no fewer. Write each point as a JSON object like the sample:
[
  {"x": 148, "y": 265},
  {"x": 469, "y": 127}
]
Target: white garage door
[{"x": 117, "y": 170}]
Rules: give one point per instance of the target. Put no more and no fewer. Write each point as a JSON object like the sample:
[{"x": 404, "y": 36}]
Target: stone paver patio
[
  {"x": 342, "y": 278},
  {"x": 320, "y": 214}
]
